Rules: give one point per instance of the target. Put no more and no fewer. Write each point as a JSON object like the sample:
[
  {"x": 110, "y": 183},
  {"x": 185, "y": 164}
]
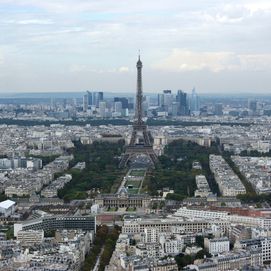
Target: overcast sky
[{"x": 73, "y": 45}]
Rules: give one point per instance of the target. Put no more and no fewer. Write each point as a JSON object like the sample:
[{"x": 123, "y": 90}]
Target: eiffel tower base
[{"x": 132, "y": 151}]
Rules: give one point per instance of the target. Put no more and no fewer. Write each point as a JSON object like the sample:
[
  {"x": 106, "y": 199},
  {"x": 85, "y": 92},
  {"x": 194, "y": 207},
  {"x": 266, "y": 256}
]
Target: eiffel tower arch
[{"x": 140, "y": 142}]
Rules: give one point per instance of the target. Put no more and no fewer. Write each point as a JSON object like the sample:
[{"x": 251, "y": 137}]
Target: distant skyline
[{"x": 74, "y": 45}]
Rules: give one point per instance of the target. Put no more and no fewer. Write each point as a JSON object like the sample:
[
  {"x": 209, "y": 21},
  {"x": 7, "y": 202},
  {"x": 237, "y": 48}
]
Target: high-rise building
[
  {"x": 194, "y": 102},
  {"x": 123, "y": 100},
  {"x": 85, "y": 103},
  {"x": 118, "y": 107},
  {"x": 74, "y": 102},
  {"x": 102, "y": 109},
  {"x": 252, "y": 105},
  {"x": 95, "y": 100},
  {"x": 89, "y": 98},
  {"x": 92, "y": 98},
  {"x": 145, "y": 107},
  {"x": 165, "y": 100},
  {"x": 218, "y": 110},
  {"x": 168, "y": 100},
  {"x": 53, "y": 103},
  {"x": 161, "y": 100},
  {"x": 175, "y": 108},
  {"x": 97, "y": 97},
  {"x": 65, "y": 102},
  {"x": 181, "y": 99}
]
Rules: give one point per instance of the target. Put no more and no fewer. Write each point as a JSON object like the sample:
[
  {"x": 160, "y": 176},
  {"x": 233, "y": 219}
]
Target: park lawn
[
  {"x": 137, "y": 173},
  {"x": 133, "y": 191},
  {"x": 112, "y": 209},
  {"x": 131, "y": 209},
  {"x": 135, "y": 184}
]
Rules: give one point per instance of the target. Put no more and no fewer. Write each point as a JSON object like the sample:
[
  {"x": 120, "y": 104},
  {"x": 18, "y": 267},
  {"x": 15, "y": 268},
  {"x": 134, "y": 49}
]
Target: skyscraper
[
  {"x": 118, "y": 107},
  {"x": 92, "y": 99},
  {"x": 168, "y": 100},
  {"x": 85, "y": 103},
  {"x": 181, "y": 99},
  {"x": 100, "y": 96},
  {"x": 252, "y": 105},
  {"x": 97, "y": 97},
  {"x": 175, "y": 108},
  {"x": 194, "y": 102},
  {"x": 161, "y": 100},
  {"x": 89, "y": 98},
  {"x": 102, "y": 109},
  {"x": 218, "y": 109},
  {"x": 123, "y": 100}
]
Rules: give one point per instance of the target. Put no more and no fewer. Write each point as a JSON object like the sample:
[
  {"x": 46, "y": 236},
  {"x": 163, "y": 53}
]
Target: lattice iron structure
[{"x": 140, "y": 142}]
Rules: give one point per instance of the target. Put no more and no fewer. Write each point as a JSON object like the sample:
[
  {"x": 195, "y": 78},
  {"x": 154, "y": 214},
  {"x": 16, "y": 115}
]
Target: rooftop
[{"x": 7, "y": 204}]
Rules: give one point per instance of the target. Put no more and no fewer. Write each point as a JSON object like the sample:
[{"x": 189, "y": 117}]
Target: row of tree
[
  {"x": 103, "y": 245},
  {"x": 248, "y": 186},
  {"x": 109, "y": 247},
  {"x": 169, "y": 121},
  {"x": 93, "y": 122},
  {"x": 98, "y": 122}
]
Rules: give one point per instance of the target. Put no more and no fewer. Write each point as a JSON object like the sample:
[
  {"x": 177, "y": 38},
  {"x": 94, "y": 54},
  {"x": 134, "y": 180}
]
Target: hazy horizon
[
  {"x": 214, "y": 46},
  {"x": 80, "y": 94}
]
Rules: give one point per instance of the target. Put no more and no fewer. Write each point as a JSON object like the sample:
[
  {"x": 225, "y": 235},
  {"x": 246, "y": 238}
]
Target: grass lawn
[
  {"x": 133, "y": 191},
  {"x": 131, "y": 209},
  {"x": 112, "y": 209},
  {"x": 137, "y": 173},
  {"x": 135, "y": 184}
]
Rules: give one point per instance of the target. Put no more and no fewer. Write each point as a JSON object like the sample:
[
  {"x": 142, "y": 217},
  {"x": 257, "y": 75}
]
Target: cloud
[
  {"x": 112, "y": 6},
  {"x": 29, "y": 22},
  {"x": 1, "y": 56},
  {"x": 102, "y": 38},
  {"x": 78, "y": 68},
  {"x": 227, "y": 14},
  {"x": 184, "y": 60},
  {"x": 258, "y": 6},
  {"x": 123, "y": 69}
]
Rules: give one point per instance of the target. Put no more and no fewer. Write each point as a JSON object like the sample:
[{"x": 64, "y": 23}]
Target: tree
[
  {"x": 175, "y": 169},
  {"x": 200, "y": 254},
  {"x": 183, "y": 260},
  {"x": 101, "y": 169},
  {"x": 200, "y": 241}
]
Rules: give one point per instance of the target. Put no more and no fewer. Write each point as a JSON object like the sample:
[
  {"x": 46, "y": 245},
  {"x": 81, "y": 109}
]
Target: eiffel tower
[{"x": 140, "y": 142}]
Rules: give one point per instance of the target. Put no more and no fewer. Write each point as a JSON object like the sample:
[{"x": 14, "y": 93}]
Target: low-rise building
[
  {"x": 123, "y": 200},
  {"x": 137, "y": 226},
  {"x": 7, "y": 208},
  {"x": 228, "y": 182},
  {"x": 235, "y": 260},
  {"x": 30, "y": 237},
  {"x": 203, "y": 189},
  {"x": 217, "y": 245},
  {"x": 49, "y": 223}
]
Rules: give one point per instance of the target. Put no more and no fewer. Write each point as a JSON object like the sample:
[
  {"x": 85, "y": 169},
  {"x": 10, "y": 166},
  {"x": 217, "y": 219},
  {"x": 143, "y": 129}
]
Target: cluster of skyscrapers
[
  {"x": 92, "y": 99},
  {"x": 115, "y": 107},
  {"x": 178, "y": 105},
  {"x": 165, "y": 104}
]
